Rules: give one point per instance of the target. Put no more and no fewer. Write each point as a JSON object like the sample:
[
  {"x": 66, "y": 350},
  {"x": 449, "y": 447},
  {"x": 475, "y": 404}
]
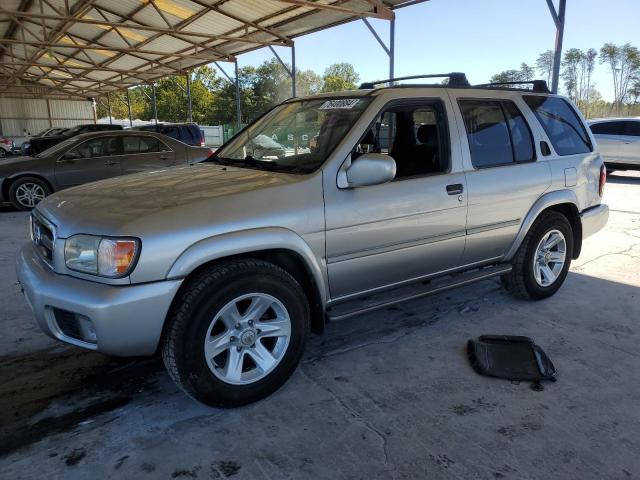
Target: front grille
[{"x": 42, "y": 236}]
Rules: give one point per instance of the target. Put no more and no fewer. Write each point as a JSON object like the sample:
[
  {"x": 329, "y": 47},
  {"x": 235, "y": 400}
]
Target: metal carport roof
[{"x": 87, "y": 48}]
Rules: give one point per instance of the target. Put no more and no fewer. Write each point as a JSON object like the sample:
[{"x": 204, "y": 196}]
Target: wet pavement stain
[{"x": 91, "y": 383}]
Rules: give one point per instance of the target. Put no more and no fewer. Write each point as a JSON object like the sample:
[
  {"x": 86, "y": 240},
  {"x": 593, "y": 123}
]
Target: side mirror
[{"x": 371, "y": 169}]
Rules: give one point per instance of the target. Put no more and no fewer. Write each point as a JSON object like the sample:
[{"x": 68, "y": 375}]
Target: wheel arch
[
  {"x": 562, "y": 201},
  {"x": 279, "y": 246}
]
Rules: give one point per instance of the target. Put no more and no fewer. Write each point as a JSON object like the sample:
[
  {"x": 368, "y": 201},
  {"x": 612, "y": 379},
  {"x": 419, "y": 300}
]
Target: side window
[
  {"x": 608, "y": 128},
  {"x": 130, "y": 145},
  {"x": 632, "y": 129},
  {"x": 497, "y": 133},
  {"x": 171, "y": 132},
  {"x": 561, "y": 123},
  {"x": 113, "y": 146},
  {"x": 91, "y": 148},
  {"x": 413, "y": 135},
  {"x": 149, "y": 145}
]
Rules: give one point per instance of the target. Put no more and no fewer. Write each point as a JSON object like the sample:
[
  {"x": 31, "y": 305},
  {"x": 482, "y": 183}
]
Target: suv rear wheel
[
  {"x": 236, "y": 332},
  {"x": 543, "y": 260}
]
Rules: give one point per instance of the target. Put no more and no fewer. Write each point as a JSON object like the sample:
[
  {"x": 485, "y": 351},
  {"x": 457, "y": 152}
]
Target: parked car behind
[
  {"x": 24, "y": 148},
  {"x": 188, "y": 133},
  {"x": 225, "y": 266},
  {"x": 6, "y": 146},
  {"x": 618, "y": 141},
  {"x": 40, "y": 144},
  {"x": 25, "y": 181}
]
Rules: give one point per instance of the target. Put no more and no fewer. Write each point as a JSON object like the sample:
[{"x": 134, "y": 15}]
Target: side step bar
[{"x": 412, "y": 292}]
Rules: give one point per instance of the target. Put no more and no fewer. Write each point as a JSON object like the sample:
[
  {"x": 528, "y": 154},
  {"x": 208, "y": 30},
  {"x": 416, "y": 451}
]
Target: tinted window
[
  {"x": 608, "y": 128},
  {"x": 171, "y": 132},
  {"x": 565, "y": 130},
  {"x": 140, "y": 145},
  {"x": 413, "y": 135},
  {"x": 633, "y": 129},
  {"x": 98, "y": 147},
  {"x": 487, "y": 132},
  {"x": 521, "y": 137}
]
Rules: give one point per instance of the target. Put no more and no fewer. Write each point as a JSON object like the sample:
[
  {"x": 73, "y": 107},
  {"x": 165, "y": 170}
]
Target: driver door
[
  {"x": 382, "y": 235},
  {"x": 94, "y": 159}
]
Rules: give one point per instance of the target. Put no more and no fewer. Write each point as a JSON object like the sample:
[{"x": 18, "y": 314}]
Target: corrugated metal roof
[{"x": 105, "y": 45}]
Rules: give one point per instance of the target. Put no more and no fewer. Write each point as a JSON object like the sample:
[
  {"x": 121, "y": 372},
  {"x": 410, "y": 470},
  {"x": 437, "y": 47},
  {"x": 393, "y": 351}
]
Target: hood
[
  {"x": 11, "y": 165},
  {"x": 180, "y": 195}
]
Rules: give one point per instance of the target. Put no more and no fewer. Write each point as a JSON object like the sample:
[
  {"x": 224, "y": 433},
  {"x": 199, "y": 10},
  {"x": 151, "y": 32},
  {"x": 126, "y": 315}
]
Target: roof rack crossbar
[
  {"x": 456, "y": 79},
  {"x": 539, "y": 86}
]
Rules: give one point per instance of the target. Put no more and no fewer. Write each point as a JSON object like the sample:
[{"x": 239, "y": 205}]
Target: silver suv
[{"x": 403, "y": 191}]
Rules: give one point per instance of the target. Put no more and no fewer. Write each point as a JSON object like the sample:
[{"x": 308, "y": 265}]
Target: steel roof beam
[{"x": 379, "y": 9}]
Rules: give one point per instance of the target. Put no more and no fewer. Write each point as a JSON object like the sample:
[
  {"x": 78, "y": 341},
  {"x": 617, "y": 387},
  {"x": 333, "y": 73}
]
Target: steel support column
[
  {"x": 558, "y": 18},
  {"x": 109, "y": 108},
  {"x": 392, "y": 46},
  {"x": 189, "y": 111},
  {"x": 293, "y": 69},
  {"x": 390, "y": 50},
  {"x": 129, "y": 108},
  {"x": 238, "y": 99},
  {"x": 154, "y": 102}
]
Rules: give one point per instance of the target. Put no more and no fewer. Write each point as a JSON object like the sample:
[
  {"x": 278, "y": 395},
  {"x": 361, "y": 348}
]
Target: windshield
[
  {"x": 295, "y": 137},
  {"x": 57, "y": 148}
]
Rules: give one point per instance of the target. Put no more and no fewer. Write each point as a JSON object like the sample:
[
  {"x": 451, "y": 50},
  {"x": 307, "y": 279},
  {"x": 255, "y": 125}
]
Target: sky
[{"x": 478, "y": 37}]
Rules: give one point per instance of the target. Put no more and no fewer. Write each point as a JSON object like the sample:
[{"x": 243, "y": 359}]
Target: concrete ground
[{"x": 385, "y": 395}]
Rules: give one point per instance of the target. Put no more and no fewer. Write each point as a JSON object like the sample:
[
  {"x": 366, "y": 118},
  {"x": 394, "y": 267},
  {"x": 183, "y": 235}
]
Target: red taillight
[
  {"x": 603, "y": 179},
  {"x": 6, "y": 141},
  {"x": 202, "y": 144}
]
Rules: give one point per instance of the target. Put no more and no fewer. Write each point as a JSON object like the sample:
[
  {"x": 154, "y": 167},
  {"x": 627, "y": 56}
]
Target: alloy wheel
[
  {"x": 549, "y": 258},
  {"x": 29, "y": 194},
  {"x": 247, "y": 338}
]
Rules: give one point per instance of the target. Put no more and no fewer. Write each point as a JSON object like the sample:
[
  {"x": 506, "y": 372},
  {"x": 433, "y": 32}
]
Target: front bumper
[
  {"x": 127, "y": 320},
  {"x": 594, "y": 219}
]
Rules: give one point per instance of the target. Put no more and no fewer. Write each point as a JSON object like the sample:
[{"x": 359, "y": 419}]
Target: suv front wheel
[
  {"x": 543, "y": 260},
  {"x": 236, "y": 332}
]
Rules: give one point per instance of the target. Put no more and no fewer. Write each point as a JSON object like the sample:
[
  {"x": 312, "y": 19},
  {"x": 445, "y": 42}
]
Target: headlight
[{"x": 103, "y": 256}]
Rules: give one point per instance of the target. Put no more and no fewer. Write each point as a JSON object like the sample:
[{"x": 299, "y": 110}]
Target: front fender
[
  {"x": 247, "y": 241},
  {"x": 545, "y": 201}
]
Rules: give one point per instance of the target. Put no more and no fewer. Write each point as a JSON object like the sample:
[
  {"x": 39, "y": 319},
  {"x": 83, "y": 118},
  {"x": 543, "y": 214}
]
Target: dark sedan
[
  {"x": 40, "y": 144},
  {"x": 24, "y": 181}
]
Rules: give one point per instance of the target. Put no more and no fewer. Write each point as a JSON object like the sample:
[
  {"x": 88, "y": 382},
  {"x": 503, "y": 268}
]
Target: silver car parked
[
  {"x": 618, "y": 142},
  {"x": 226, "y": 265},
  {"x": 25, "y": 181}
]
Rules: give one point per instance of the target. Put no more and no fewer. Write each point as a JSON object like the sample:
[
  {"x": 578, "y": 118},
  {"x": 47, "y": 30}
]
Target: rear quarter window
[{"x": 559, "y": 120}]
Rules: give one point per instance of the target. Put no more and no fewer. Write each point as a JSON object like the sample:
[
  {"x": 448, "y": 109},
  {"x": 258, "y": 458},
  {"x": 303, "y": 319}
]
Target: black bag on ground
[{"x": 510, "y": 357}]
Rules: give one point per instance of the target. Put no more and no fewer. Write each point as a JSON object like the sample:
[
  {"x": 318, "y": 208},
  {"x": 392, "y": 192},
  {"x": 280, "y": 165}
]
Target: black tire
[
  {"x": 521, "y": 281},
  {"x": 13, "y": 190},
  {"x": 196, "y": 306},
  {"x": 2, "y": 153}
]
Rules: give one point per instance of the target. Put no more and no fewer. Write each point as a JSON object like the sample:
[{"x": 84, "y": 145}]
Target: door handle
[
  {"x": 110, "y": 163},
  {"x": 455, "y": 189}
]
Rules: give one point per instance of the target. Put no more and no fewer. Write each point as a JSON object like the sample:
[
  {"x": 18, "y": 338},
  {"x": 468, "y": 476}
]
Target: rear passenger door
[
  {"x": 610, "y": 136},
  {"x": 630, "y": 147},
  {"x": 145, "y": 152},
  {"x": 503, "y": 173}
]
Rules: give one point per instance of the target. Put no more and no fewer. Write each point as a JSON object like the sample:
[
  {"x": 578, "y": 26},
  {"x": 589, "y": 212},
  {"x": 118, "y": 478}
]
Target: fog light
[
  {"x": 76, "y": 326},
  {"x": 87, "y": 330}
]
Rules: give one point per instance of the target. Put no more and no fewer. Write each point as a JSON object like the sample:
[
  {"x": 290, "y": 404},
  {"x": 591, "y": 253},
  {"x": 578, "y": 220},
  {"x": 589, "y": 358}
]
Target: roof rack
[
  {"x": 538, "y": 86},
  {"x": 456, "y": 79}
]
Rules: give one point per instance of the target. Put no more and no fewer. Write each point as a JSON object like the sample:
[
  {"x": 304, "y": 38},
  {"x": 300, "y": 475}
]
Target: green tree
[
  {"x": 544, "y": 65},
  {"x": 624, "y": 63},
  {"x": 339, "y": 77},
  {"x": 525, "y": 73}
]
